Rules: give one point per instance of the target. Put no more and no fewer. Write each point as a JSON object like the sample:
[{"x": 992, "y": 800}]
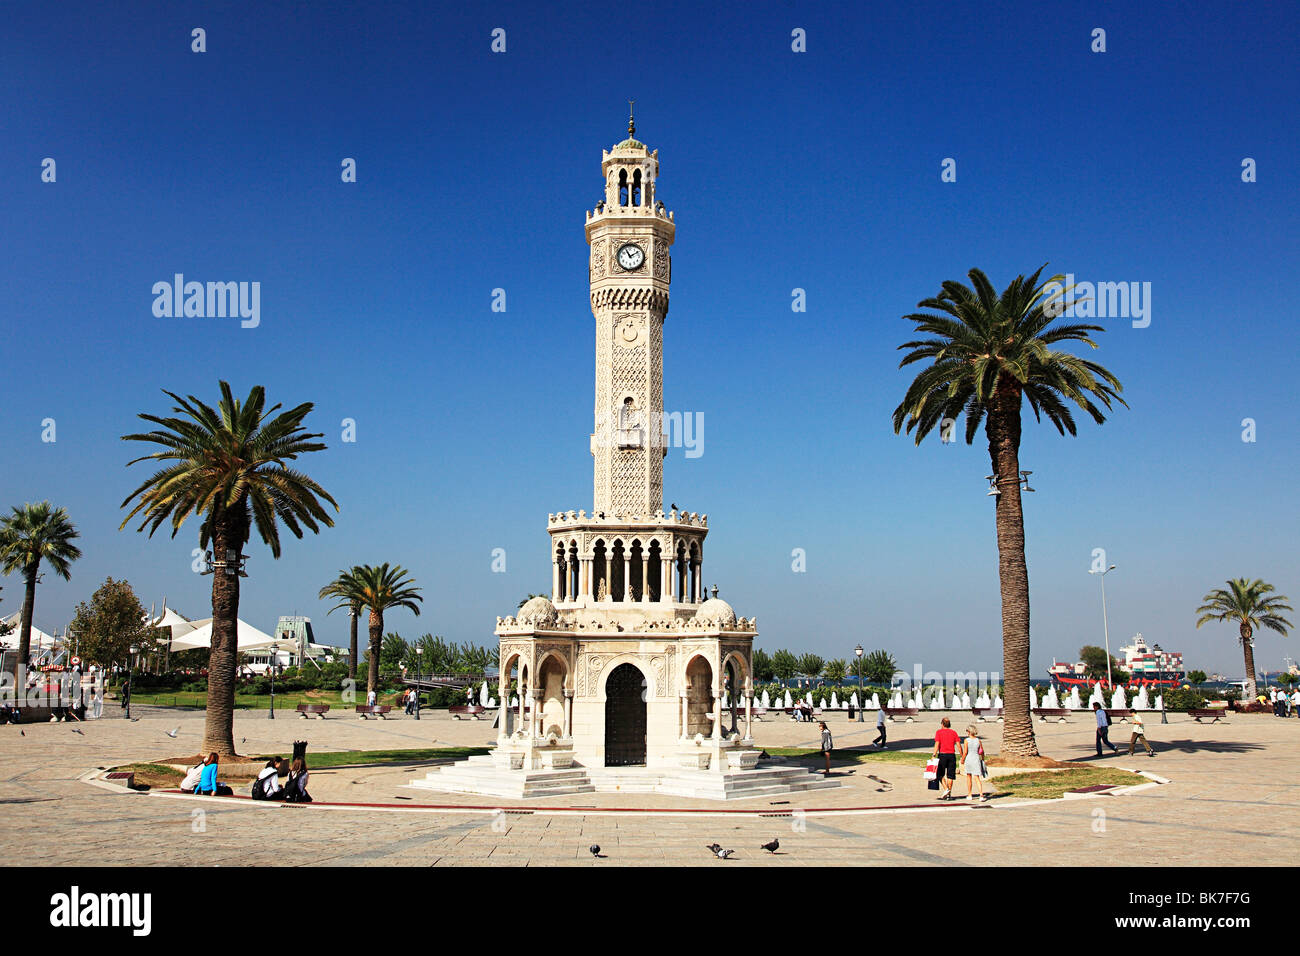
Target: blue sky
[{"x": 816, "y": 170}]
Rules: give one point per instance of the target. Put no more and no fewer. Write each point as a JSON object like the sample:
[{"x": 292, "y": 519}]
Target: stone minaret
[{"x": 630, "y": 233}]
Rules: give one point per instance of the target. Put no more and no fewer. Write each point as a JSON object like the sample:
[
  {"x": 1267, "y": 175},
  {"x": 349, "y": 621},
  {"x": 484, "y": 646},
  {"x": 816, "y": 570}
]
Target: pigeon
[
  {"x": 134, "y": 719},
  {"x": 595, "y": 850},
  {"x": 174, "y": 731},
  {"x": 674, "y": 504},
  {"x": 77, "y": 730},
  {"x": 22, "y": 733},
  {"x": 718, "y": 851},
  {"x": 771, "y": 847}
]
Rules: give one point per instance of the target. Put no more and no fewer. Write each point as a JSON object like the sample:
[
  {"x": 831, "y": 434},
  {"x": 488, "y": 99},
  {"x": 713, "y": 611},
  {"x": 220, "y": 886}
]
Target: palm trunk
[
  {"x": 219, "y": 726},
  {"x": 1250, "y": 689},
  {"x": 25, "y": 628},
  {"x": 376, "y": 643},
  {"x": 352, "y": 651},
  {"x": 1013, "y": 574}
]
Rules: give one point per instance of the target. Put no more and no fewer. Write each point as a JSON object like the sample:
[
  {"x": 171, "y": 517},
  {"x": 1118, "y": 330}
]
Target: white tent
[
  {"x": 41, "y": 642},
  {"x": 248, "y": 637},
  {"x": 178, "y": 625}
]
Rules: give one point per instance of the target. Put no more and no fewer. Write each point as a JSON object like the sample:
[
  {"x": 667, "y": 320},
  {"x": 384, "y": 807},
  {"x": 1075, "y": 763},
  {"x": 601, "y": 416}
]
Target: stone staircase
[{"x": 480, "y": 775}]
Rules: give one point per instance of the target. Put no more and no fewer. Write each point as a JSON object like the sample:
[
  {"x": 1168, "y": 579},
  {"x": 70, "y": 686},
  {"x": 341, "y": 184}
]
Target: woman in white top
[{"x": 972, "y": 763}]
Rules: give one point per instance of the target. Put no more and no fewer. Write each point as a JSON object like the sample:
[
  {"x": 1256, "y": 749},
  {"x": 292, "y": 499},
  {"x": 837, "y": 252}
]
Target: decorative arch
[{"x": 608, "y": 666}]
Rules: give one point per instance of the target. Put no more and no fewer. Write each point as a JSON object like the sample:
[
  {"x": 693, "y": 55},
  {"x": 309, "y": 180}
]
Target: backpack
[{"x": 259, "y": 789}]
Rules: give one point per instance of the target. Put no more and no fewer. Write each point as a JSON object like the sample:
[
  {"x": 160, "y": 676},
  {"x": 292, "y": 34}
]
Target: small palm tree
[
  {"x": 381, "y": 589},
  {"x": 350, "y": 598},
  {"x": 229, "y": 467},
  {"x": 836, "y": 670},
  {"x": 32, "y": 534},
  {"x": 1252, "y": 604},
  {"x": 988, "y": 355}
]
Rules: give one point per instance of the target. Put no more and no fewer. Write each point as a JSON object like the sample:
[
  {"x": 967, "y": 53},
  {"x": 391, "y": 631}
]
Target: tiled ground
[{"x": 1234, "y": 796}]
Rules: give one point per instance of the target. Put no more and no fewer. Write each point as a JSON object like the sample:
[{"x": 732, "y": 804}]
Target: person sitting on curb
[
  {"x": 208, "y": 780},
  {"x": 267, "y": 785}
]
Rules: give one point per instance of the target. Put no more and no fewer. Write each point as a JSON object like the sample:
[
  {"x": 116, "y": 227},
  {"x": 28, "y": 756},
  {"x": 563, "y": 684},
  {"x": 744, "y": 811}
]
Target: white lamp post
[
  {"x": 861, "y": 690},
  {"x": 1104, "y": 624}
]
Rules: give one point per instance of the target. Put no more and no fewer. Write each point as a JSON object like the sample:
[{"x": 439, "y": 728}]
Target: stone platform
[{"x": 485, "y": 776}]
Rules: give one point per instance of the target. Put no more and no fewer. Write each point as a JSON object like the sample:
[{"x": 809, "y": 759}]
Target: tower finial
[{"x": 631, "y": 124}]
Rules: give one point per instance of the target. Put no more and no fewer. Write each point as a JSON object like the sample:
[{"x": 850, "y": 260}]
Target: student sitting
[
  {"x": 208, "y": 780},
  {"x": 295, "y": 790},
  {"x": 267, "y": 785},
  {"x": 192, "y": 778}
]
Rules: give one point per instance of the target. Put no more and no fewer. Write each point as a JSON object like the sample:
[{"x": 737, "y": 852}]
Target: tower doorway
[{"x": 625, "y": 717}]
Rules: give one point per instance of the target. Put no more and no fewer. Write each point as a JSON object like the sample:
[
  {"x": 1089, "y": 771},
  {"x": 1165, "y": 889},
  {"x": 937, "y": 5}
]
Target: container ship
[{"x": 1150, "y": 666}]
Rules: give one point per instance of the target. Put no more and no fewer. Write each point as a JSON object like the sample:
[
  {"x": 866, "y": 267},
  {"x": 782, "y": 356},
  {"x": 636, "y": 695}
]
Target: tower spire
[{"x": 631, "y": 122}]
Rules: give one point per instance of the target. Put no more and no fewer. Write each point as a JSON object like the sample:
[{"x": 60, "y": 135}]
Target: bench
[
  {"x": 461, "y": 711},
  {"x": 984, "y": 713},
  {"x": 1217, "y": 713},
  {"x": 312, "y": 710},
  {"x": 1058, "y": 713},
  {"x": 905, "y": 714},
  {"x": 364, "y": 711},
  {"x": 1119, "y": 713},
  {"x": 758, "y": 712}
]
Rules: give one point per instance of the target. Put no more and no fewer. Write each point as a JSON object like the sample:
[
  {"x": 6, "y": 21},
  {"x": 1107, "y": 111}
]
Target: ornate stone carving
[{"x": 661, "y": 260}]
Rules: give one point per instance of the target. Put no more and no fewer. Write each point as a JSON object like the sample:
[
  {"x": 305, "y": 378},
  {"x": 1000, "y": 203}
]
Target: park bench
[
  {"x": 1057, "y": 713},
  {"x": 312, "y": 710},
  {"x": 905, "y": 714},
  {"x": 379, "y": 710},
  {"x": 1119, "y": 713},
  {"x": 461, "y": 711},
  {"x": 1217, "y": 713},
  {"x": 984, "y": 713},
  {"x": 759, "y": 712}
]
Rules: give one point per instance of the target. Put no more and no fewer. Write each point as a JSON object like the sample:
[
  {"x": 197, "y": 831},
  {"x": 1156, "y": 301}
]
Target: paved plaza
[{"x": 1233, "y": 796}]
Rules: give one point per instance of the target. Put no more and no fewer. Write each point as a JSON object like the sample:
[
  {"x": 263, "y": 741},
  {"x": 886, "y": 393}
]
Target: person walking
[
  {"x": 1139, "y": 735},
  {"x": 972, "y": 762},
  {"x": 947, "y": 742},
  {"x": 827, "y": 746},
  {"x": 1103, "y": 729},
  {"x": 881, "y": 736}
]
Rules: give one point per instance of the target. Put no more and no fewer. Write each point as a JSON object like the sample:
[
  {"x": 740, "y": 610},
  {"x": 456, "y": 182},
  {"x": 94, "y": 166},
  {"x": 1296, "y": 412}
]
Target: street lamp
[
  {"x": 274, "y": 656},
  {"x": 130, "y": 669},
  {"x": 861, "y": 690},
  {"x": 1104, "y": 624},
  {"x": 419, "y": 656}
]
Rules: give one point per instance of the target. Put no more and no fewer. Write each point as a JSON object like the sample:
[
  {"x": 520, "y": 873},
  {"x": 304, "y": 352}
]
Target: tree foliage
[
  {"x": 878, "y": 667},
  {"x": 811, "y": 665},
  {"x": 1094, "y": 664},
  {"x": 784, "y": 665},
  {"x": 105, "y": 628}
]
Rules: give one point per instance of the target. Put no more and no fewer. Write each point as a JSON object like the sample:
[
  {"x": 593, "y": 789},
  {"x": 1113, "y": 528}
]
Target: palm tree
[
  {"x": 349, "y": 598},
  {"x": 1249, "y": 603},
  {"x": 988, "y": 354},
  {"x": 229, "y": 467},
  {"x": 32, "y": 534},
  {"x": 381, "y": 588},
  {"x": 836, "y": 670}
]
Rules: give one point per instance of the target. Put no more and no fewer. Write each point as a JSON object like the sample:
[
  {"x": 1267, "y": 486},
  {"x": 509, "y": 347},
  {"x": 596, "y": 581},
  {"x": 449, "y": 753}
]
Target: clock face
[{"x": 630, "y": 256}]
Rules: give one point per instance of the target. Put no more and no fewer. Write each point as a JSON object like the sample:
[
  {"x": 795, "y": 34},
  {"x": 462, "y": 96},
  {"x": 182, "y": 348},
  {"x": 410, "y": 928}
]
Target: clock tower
[{"x": 630, "y": 234}]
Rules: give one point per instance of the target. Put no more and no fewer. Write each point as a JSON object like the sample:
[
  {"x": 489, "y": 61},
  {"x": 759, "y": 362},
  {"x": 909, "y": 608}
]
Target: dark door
[{"x": 625, "y": 718}]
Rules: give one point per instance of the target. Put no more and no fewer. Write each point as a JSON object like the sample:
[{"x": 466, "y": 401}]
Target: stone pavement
[{"x": 1233, "y": 796}]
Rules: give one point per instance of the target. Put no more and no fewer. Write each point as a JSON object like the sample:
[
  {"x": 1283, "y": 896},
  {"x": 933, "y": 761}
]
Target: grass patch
[
  {"x": 915, "y": 758},
  {"x": 323, "y": 760},
  {"x": 287, "y": 701},
  {"x": 152, "y": 774},
  {"x": 1048, "y": 786}
]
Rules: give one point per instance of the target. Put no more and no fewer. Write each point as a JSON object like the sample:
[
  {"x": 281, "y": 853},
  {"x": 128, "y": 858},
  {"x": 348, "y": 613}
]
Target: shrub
[{"x": 1184, "y": 699}]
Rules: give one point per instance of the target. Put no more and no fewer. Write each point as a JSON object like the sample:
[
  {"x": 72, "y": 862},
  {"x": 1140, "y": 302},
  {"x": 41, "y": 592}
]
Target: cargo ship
[{"x": 1146, "y": 665}]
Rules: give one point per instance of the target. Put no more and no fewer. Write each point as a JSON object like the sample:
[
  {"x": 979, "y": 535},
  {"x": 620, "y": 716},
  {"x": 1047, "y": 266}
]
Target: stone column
[
  {"x": 555, "y": 581},
  {"x": 627, "y": 574},
  {"x": 503, "y": 707},
  {"x": 699, "y": 582},
  {"x": 665, "y": 580},
  {"x": 685, "y": 716},
  {"x": 568, "y": 713},
  {"x": 749, "y": 710},
  {"x": 587, "y": 589},
  {"x": 537, "y": 716},
  {"x": 645, "y": 576},
  {"x": 717, "y": 717}
]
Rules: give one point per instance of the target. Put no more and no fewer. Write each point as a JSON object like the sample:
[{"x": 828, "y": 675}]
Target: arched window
[
  {"x": 622, "y": 187},
  {"x": 636, "y": 188}
]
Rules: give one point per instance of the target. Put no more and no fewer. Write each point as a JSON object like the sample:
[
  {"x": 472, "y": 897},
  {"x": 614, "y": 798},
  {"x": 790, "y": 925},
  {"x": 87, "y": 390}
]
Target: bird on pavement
[
  {"x": 174, "y": 731},
  {"x": 22, "y": 733},
  {"x": 771, "y": 847},
  {"x": 595, "y": 850},
  {"x": 77, "y": 730},
  {"x": 718, "y": 851}
]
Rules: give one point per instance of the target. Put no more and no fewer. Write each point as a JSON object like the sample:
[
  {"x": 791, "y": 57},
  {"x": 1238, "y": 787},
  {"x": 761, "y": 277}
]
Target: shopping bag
[{"x": 931, "y": 769}]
